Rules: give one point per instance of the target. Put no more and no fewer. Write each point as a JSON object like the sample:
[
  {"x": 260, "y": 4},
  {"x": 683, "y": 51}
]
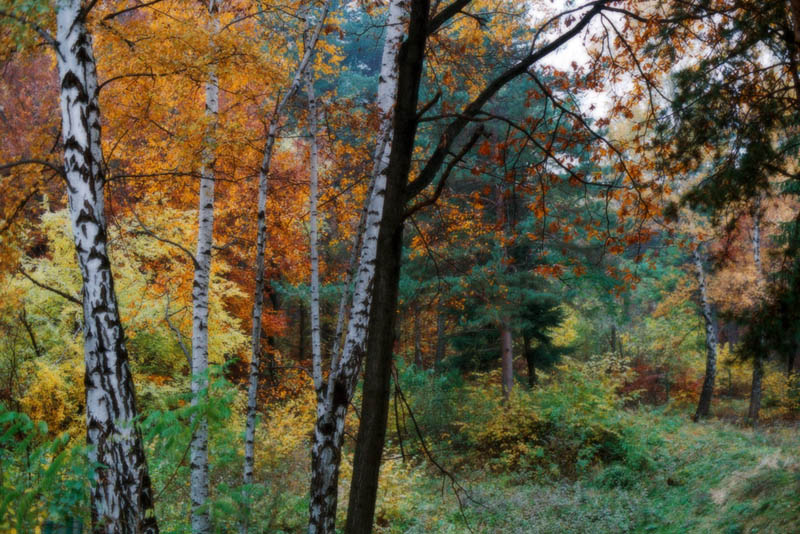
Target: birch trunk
[
  {"x": 316, "y": 343},
  {"x": 329, "y": 429},
  {"x": 121, "y": 496},
  {"x": 507, "y": 354},
  {"x": 261, "y": 245},
  {"x": 706, "y": 394},
  {"x": 202, "y": 275}
]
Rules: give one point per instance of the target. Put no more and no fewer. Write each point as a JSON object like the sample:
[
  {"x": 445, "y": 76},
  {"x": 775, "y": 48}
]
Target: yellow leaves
[{"x": 51, "y": 396}]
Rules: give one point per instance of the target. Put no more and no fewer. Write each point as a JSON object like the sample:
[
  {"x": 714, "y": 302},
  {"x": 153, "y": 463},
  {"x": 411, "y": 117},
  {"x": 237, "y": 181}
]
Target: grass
[{"x": 711, "y": 477}]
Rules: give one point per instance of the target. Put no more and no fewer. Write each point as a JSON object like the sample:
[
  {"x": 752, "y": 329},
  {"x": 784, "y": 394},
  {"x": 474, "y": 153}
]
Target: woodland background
[{"x": 593, "y": 322}]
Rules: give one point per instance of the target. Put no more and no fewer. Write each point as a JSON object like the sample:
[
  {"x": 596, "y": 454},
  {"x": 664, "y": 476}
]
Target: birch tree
[
  {"x": 202, "y": 274},
  {"x": 313, "y": 195},
  {"x": 329, "y": 428},
  {"x": 261, "y": 244},
  {"x": 121, "y": 494},
  {"x": 398, "y": 192},
  {"x": 706, "y": 394}
]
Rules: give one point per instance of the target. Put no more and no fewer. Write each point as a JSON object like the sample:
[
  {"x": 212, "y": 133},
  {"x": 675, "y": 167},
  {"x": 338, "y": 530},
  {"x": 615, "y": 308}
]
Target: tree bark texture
[
  {"x": 316, "y": 343},
  {"x": 199, "y": 487},
  {"x": 365, "y": 471},
  {"x": 329, "y": 429},
  {"x": 375, "y": 403},
  {"x": 261, "y": 245},
  {"x": 758, "y": 359},
  {"x": 121, "y": 494},
  {"x": 706, "y": 394},
  {"x": 756, "y": 390}
]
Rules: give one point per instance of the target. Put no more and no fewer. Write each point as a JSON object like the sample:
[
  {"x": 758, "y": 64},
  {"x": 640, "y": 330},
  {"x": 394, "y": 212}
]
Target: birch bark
[
  {"x": 316, "y": 343},
  {"x": 121, "y": 496},
  {"x": 202, "y": 275},
  {"x": 706, "y": 394},
  {"x": 261, "y": 244},
  {"x": 329, "y": 429}
]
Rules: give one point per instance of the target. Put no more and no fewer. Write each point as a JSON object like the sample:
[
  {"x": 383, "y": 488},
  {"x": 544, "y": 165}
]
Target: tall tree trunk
[
  {"x": 202, "y": 276},
  {"x": 706, "y": 394},
  {"x": 507, "y": 356},
  {"x": 375, "y": 402},
  {"x": 328, "y": 432},
  {"x": 529, "y": 358},
  {"x": 261, "y": 245},
  {"x": 755, "y": 390},
  {"x": 613, "y": 339},
  {"x": 417, "y": 339},
  {"x": 441, "y": 342},
  {"x": 316, "y": 343},
  {"x": 377, "y": 382},
  {"x": 758, "y": 359},
  {"x": 121, "y": 494},
  {"x": 362, "y": 496}
]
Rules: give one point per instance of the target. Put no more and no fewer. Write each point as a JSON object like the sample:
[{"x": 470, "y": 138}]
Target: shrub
[{"x": 564, "y": 427}]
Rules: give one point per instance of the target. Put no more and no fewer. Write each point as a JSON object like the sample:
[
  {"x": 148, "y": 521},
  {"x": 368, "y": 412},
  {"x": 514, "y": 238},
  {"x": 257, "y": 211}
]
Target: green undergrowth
[{"x": 568, "y": 458}]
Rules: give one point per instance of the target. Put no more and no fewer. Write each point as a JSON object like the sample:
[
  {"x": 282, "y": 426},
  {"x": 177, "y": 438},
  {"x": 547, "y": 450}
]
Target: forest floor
[{"x": 712, "y": 477}]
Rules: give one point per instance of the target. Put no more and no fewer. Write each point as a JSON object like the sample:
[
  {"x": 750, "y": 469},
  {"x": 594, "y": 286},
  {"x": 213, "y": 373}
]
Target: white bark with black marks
[
  {"x": 329, "y": 429},
  {"x": 707, "y": 392},
  {"x": 261, "y": 246},
  {"x": 313, "y": 197},
  {"x": 121, "y": 494},
  {"x": 199, "y": 487}
]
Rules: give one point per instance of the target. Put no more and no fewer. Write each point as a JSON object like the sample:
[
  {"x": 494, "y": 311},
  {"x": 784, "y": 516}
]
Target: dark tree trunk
[
  {"x": 529, "y": 358},
  {"x": 613, "y": 338},
  {"x": 507, "y": 358},
  {"x": 375, "y": 403},
  {"x": 441, "y": 343},
  {"x": 363, "y": 490},
  {"x": 417, "y": 339},
  {"x": 377, "y": 380},
  {"x": 755, "y": 390}
]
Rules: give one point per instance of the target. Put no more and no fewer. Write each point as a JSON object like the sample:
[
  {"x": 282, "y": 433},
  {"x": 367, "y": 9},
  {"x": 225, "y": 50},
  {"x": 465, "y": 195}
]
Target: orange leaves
[{"x": 550, "y": 271}]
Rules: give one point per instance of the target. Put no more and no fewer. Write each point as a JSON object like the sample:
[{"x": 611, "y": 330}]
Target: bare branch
[
  {"x": 51, "y": 289},
  {"x": 155, "y": 236},
  {"x": 32, "y": 25},
  {"x": 178, "y": 335}
]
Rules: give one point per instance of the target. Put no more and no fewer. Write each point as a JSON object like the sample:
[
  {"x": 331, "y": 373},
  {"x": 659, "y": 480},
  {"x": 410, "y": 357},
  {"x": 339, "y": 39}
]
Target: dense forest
[{"x": 399, "y": 266}]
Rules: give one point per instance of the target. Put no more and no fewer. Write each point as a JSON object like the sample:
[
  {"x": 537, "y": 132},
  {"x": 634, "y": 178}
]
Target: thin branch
[
  {"x": 155, "y": 236},
  {"x": 178, "y": 335},
  {"x": 35, "y": 27},
  {"x": 429, "y": 105},
  {"x": 446, "y": 14},
  {"x": 434, "y": 163},
  {"x": 443, "y": 180},
  {"x": 49, "y": 288},
  {"x": 44, "y": 163},
  {"x": 454, "y": 484},
  {"x": 128, "y": 9}
]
